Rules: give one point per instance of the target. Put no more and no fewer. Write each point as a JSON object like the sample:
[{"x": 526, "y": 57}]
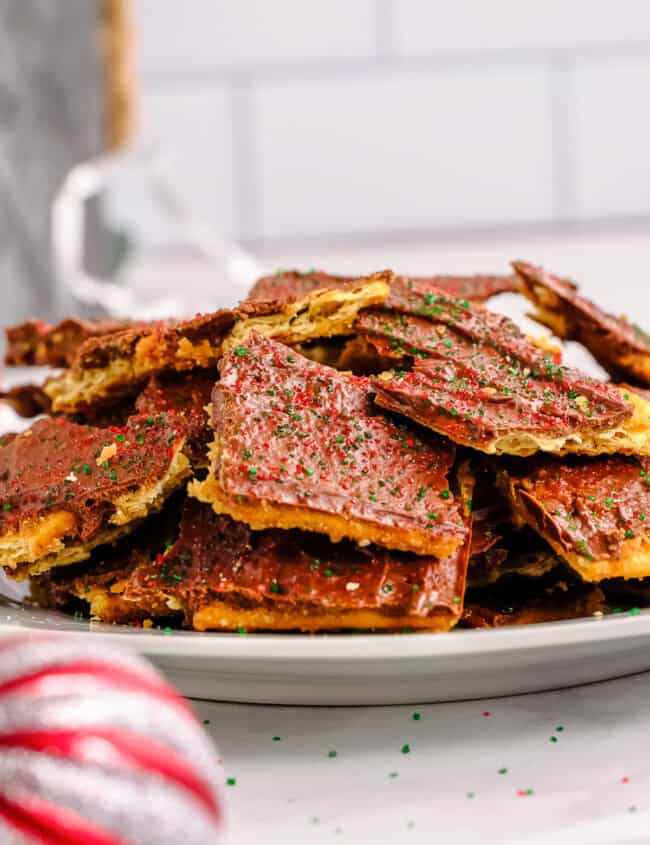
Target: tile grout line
[
  {"x": 562, "y": 136},
  {"x": 244, "y": 158},
  {"x": 453, "y": 60},
  {"x": 385, "y": 28}
]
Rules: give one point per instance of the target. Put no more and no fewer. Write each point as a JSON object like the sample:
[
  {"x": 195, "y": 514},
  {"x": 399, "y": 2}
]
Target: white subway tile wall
[
  {"x": 612, "y": 136},
  {"x": 400, "y": 154},
  {"x": 294, "y": 120},
  {"x": 423, "y": 26}
]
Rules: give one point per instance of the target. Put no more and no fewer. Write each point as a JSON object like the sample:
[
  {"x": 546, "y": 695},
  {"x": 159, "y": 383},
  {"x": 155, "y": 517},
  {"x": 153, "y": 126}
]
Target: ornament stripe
[
  {"x": 52, "y": 824},
  {"x": 114, "y": 676},
  {"x": 123, "y": 748}
]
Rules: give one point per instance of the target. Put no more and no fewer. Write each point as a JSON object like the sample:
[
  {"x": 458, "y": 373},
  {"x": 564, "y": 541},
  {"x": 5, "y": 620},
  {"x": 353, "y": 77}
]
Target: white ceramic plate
[
  {"x": 374, "y": 669},
  {"x": 369, "y": 669}
]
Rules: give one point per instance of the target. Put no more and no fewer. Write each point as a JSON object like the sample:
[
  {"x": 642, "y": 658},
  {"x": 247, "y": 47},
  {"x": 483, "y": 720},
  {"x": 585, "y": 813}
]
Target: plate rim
[{"x": 361, "y": 647}]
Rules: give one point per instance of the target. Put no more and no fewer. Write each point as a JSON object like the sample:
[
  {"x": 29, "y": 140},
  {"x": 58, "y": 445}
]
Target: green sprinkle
[
  {"x": 456, "y": 599},
  {"x": 206, "y": 721},
  {"x": 464, "y": 303},
  {"x": 149, "y": 421},
  {"x": 6, "y": 506},
  {"x": 86, "y": 469},
  {"x": 432, "y": 516},
  {"x": 331, "y": 753},
  {"x": 445, "y": 494},
  {"x": 252, "y": 472},
  {"x": 609, "y": 502},
  {"x": 276, "y": 738},
  {"x": 406, "y": 748},
  {"x": 167, "y": 630},
  {"x": 112, "y": 475},
  {"x": 247, "y": 454},
  {"x": 553, "y": 739},
  {"x": 139, "y": 439},
  {"x": 291, "y": 359},
  {"x": 328, "y": 573},
  {"x": 559, "y": 729},
  {"x": 231, "y": 781},
  {"x": 242, "y": 631},
  {"x": 422, "y": 492},
  {"x": 629, "y": 534},
  {"x": 309, "y": 472},
  {"x": 416, "y": 717},
  {"x": 119, "y": 438},
  {"x": 240, "y": 351},
  {"x": 415, "y": 587},
  {"x": 275, "y": 587},
  {"x": 448, "y": 343},
  {"x": 503, "y": 771},
  {"x": 634, "y": 611},
  {"x": 340, "y": 438},
  {"x": 387, "y": 588}
]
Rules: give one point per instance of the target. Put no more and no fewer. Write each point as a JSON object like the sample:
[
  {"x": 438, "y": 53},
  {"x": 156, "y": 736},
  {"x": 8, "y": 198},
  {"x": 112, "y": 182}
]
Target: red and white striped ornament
[{"x": 97, "y": 749}]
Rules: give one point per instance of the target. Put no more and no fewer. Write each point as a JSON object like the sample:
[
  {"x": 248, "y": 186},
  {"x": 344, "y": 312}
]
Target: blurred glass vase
[{"x": 126, "y": 244}]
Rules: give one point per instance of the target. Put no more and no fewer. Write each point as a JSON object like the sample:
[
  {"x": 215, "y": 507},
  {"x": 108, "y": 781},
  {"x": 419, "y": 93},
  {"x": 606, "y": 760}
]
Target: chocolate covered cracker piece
[
  {"x": 184, "y": 398},
  {"x": 472, "y": 375},
  {"x": 66, "y": 488},
  {"x": 292, "y": 284},
  {"x": 619, "y": 346},
  {"x": 593, "y": 512},
  {"x": 527, "y": 601},
  {"x": 108, "y": 368},
  {"x": 27, "y": 400},
  {"x": 119, "y": 364},
  {"x": 517, "y": 552},
  {"x": 299, "y": 445},
  {"x": 96, "y": 586},
  {"x": 34, "y": 343},
  {"x": 226, "y": 577}
]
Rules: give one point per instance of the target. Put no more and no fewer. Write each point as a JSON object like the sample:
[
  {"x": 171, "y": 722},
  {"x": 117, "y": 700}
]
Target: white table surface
[
  {"x": 481, "y": 771},
  {"x": 461, "y": 781}
]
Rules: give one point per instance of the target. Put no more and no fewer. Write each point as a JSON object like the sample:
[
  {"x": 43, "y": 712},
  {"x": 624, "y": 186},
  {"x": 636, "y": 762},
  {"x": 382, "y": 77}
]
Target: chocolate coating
[
  {"x": 53, "y": 466},
  {"x": 216, "y": 557},
  {"x": 183, "y": 397},
  {"x": 295, "y": 432},
  {"x": 610, "y": 339},
  {"x": 476, "y": 377},
  {"x": 34, "y": 343},
  {"x": 292, "y": 284},
  {"x": 590, "y": 506}
]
